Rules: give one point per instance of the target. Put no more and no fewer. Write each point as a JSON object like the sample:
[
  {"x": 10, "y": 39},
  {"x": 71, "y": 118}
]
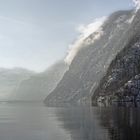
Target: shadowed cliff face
[
  {"x": 93, "y": 60},
  {"x": 121, "y": 82}
]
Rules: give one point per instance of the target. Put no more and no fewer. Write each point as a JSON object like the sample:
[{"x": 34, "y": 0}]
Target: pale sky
[{"x": 36, "y": 33}]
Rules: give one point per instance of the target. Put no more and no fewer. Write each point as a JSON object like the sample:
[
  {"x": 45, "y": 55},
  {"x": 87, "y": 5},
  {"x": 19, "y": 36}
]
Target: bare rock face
[
  {"x": 93, "y": 60},
  {"x": 120, "y": 84}
]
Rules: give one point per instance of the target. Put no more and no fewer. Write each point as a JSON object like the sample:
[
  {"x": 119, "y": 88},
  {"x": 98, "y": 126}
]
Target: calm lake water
[{"x": 37, "y": 122}]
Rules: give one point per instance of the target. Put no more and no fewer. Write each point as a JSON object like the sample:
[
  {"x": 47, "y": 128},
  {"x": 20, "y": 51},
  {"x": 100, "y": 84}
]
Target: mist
[{"x": 94, "y": 28}]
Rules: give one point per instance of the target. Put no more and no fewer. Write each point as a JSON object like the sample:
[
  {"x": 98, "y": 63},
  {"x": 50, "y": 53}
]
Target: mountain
[
  {"x": 121, "y": 82},
  {"x": 10, "y": 79},
  {"x": 94, "y": 57},
  {"x": 38, "y": 86}
]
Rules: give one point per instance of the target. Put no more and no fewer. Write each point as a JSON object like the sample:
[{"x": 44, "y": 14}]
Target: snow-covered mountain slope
[
  {"x": 94, "y": 57},
  {"x": 38, "y": 86}
]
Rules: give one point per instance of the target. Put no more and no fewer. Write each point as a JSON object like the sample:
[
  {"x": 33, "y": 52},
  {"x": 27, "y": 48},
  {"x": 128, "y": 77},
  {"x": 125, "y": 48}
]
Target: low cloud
[{"x": 85, "y": 31}]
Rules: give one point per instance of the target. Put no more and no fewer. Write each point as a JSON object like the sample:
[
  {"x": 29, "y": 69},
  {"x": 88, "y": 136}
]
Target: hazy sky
[{"x": 36, "y": 33}]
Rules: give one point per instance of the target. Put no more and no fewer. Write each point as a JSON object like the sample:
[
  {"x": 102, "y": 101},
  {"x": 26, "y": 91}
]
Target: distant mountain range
[
  {"x": 10, "y": 79},
  {"x": 38, "y": 86},
  {"x": 23, "y": 85}
]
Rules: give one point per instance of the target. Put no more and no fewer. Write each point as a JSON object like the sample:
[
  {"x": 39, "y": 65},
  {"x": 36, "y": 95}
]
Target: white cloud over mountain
[{"x": 85, "y": 31}]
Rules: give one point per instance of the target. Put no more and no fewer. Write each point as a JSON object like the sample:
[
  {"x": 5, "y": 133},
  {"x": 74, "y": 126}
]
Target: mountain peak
[
  {"x": 85, "y": 31},
  {"x": 137, "y": 4}
]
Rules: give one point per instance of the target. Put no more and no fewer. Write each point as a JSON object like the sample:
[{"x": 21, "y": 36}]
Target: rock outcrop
[
  {"x": 121, "y": 81},
  {"x": 93, "y": 59},
  {"x": 10, "y": 79}
]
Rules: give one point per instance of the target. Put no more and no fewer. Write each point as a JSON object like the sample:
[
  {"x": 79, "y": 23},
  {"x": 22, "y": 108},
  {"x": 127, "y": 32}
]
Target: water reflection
[
  {"x": 37, "y": 122},
  {"x": 29, "y": 121},
  {"x": 101, "y": 123}
]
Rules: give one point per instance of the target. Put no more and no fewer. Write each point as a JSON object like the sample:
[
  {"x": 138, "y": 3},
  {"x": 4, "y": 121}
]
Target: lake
[{"x": 35, "y": 121}]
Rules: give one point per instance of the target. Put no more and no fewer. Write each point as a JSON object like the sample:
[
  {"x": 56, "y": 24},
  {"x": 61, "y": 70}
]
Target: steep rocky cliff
[
  {"x": 120, "y": 85},
  {"x": 122, "y": 81},
  {"x": 93, "y": 59}
]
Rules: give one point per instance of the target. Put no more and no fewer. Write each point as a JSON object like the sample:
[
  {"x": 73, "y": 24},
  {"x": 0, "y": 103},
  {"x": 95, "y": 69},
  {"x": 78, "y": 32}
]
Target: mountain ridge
[
  {"x": 92, "y": 61},
  {"x": 38, "y": 86}
]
